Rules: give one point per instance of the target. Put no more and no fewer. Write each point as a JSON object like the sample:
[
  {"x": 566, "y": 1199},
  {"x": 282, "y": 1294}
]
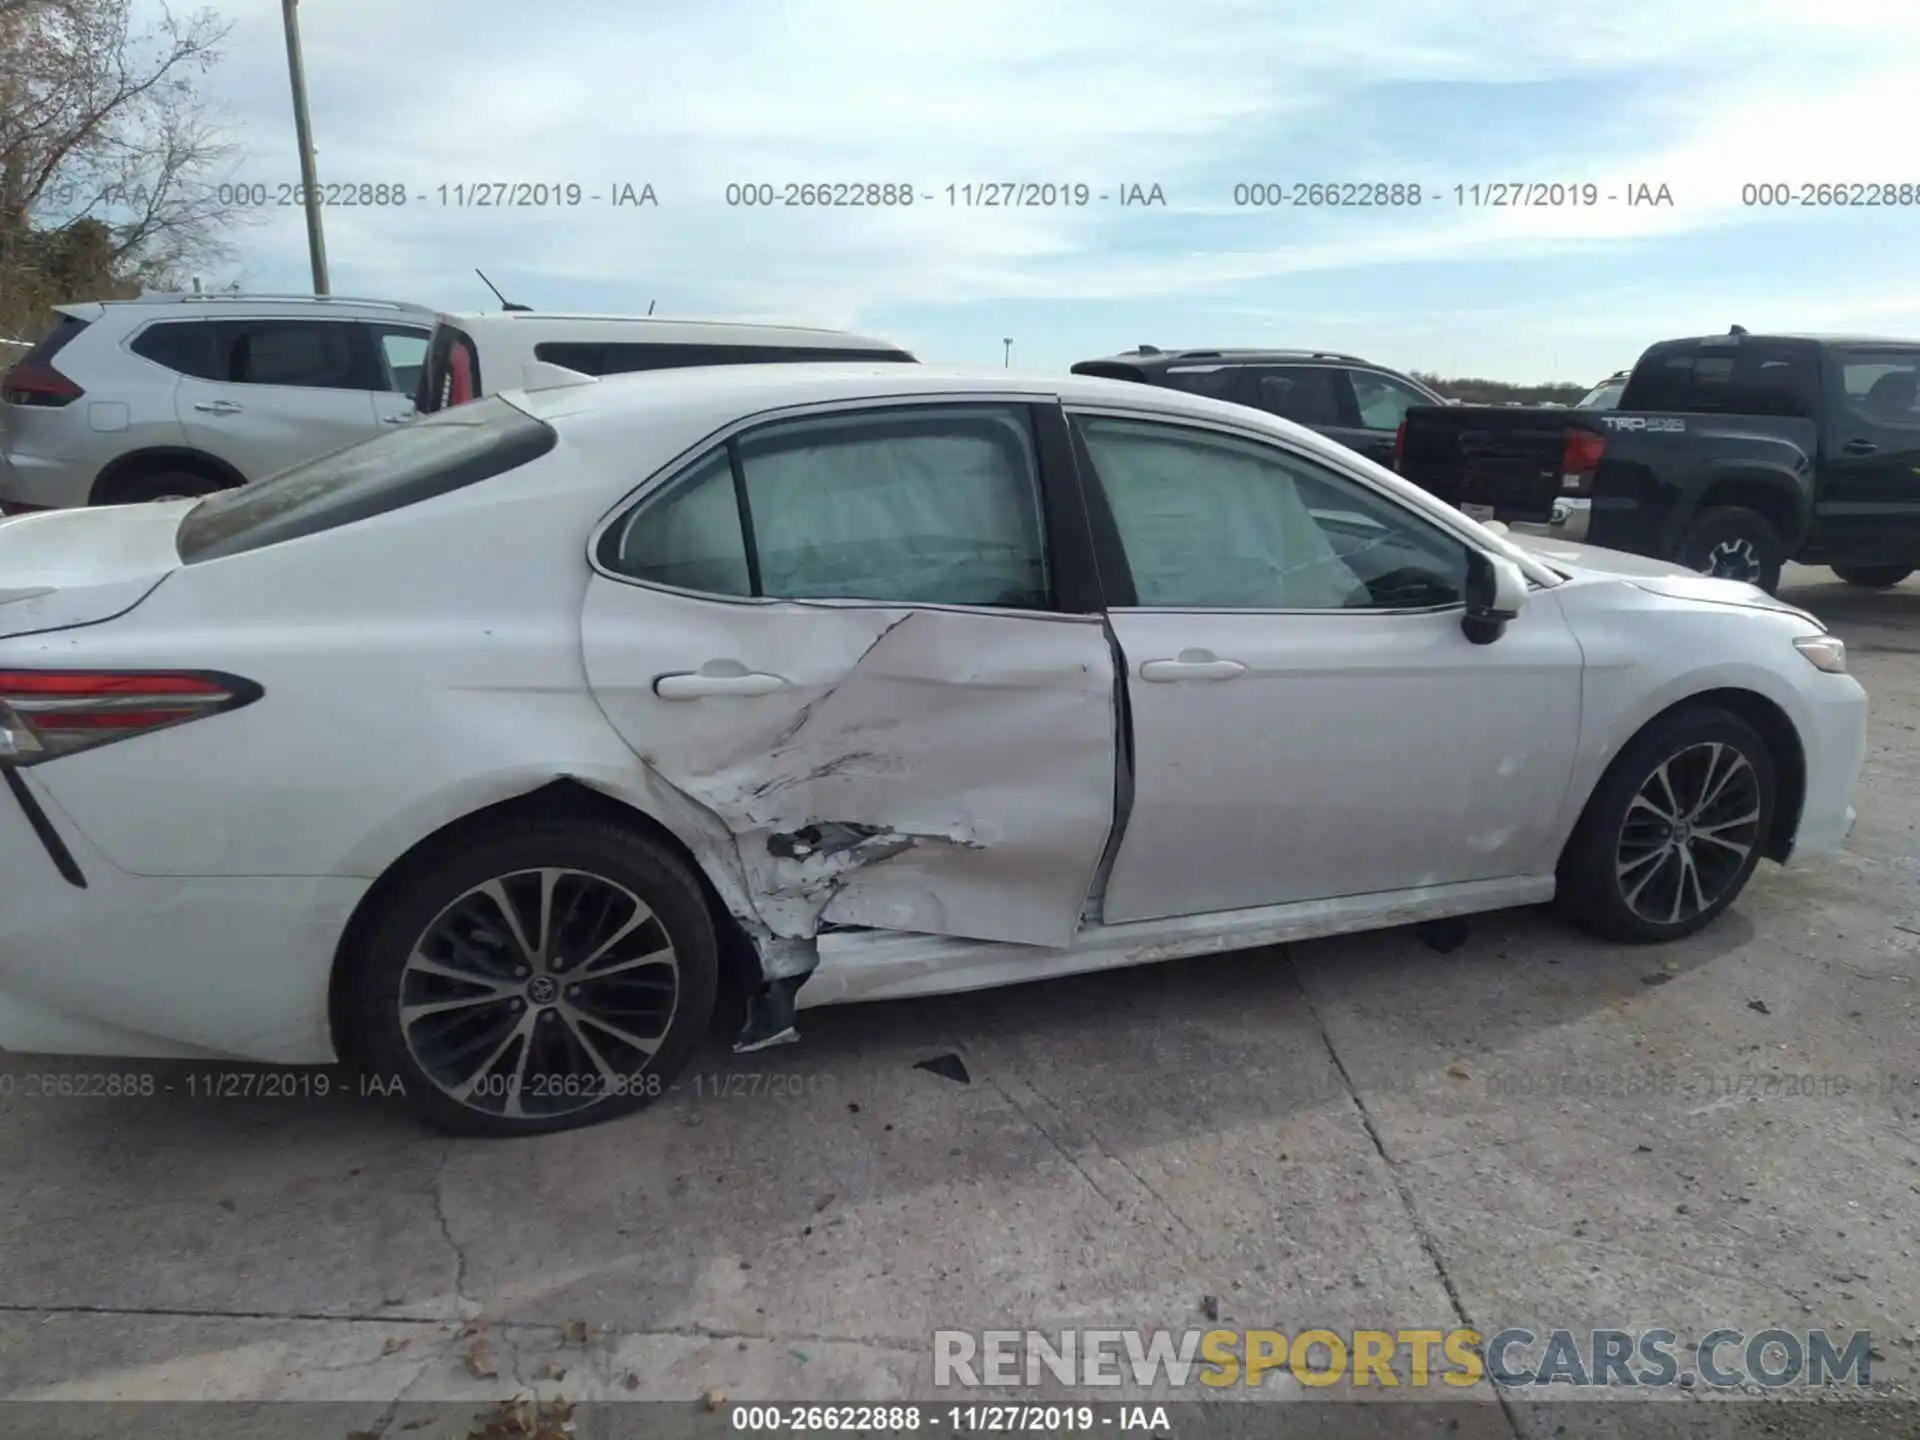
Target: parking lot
[{"x": 1514, "y": 1127}]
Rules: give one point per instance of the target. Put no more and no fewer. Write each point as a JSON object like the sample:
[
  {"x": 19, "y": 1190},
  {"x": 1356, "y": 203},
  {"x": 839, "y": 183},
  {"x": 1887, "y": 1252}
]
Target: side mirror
[{"x": 1496, "y": 593}]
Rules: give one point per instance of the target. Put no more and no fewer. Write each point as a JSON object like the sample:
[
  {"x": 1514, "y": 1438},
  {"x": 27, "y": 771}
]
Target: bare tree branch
[{"x": 109, "y": 155}]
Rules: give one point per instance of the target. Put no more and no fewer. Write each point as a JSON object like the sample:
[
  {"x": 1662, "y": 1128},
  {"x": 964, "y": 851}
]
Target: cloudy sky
[{"x": 1703, "y": 97}]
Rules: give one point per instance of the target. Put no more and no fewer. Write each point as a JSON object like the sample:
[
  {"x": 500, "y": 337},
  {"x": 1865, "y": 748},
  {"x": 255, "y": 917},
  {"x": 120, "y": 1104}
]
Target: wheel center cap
[
  {"x": 542, "y": 990},
  {"x": 1682, "y": 833}
]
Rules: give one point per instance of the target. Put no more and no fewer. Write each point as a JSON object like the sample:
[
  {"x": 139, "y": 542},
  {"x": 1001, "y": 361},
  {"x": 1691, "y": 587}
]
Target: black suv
[{"x": 1345, "y": 398}]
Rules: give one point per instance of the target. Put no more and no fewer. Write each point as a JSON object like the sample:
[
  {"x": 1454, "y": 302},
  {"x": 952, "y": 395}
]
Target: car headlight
[{"x": 1824, "y": 652}]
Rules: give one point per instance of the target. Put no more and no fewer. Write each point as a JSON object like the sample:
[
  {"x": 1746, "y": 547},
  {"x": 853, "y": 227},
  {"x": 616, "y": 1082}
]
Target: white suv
[
  {"x": 475, "y": 355},
  {"x": 173, "y": 395}
]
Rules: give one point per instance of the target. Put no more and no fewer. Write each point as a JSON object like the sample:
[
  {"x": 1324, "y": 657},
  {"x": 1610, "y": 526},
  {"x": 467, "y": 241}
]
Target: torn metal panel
[{"x": 943, "y": 771}]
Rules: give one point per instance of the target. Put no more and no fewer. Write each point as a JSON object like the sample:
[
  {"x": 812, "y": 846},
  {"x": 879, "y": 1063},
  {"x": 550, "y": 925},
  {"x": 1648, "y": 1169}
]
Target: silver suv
[{"x": 173, "y": 395}]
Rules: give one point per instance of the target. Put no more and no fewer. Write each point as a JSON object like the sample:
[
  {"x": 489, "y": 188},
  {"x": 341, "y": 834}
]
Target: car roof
[
  {"x": 728, "y": 392},
  {"x": 1148, "y": 356},
  {"x": 1803, "y": 339},
  {"x": 661, "y": 329}
]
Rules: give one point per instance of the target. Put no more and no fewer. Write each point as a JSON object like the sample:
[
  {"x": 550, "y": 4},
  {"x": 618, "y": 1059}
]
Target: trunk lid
[
  {"x": 60, "y": 568},
  {"x": 1508, "y": 459}
]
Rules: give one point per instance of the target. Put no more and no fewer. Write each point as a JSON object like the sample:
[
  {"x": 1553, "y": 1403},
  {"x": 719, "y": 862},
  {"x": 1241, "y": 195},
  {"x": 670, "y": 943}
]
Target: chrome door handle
[
  {"x": 692, "y": 685},
  {"x": 1192, "y": 665},
  {"x": 217, "y": 407},
  {"x": 1859, "y": 447}
]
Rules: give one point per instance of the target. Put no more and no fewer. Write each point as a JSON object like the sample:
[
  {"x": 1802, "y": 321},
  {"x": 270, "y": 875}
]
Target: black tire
[
  {"x": 1634, "y": 907},
  {"x": 1736, "y": 543},
  {"x": 440, "y": 893},
  {"x": 1873, "y": 577},
  {"x": 161, "y": 485}
]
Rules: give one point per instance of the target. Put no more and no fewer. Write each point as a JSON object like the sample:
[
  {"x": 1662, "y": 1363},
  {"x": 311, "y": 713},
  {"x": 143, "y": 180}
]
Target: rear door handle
[
  {"x": 399, "y": 419},
  {"x": 1860, "y": 447},
  {"x": 1192, "y": 665},
  {"x": 693, "y": 685},
  {"x": 218, "y": 407}
]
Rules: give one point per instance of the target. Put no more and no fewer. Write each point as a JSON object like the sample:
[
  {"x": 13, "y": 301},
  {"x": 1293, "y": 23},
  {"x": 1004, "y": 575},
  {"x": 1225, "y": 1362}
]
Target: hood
[
  {"x": 1660, "y": 577},
  {"x": 77, "y": 567}
]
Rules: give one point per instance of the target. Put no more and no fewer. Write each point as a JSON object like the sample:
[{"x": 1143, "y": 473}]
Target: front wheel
[
  {"x": 1732, "y": 542},
  {"x": 1873, "y": 577},
  {"x": 537, "y": 979},
  {"x": 1673, "y": 831}
]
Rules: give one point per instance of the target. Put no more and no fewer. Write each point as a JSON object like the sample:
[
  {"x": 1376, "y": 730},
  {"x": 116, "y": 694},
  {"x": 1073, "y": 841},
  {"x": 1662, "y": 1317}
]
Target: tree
[{"x": 110, "y": 156}]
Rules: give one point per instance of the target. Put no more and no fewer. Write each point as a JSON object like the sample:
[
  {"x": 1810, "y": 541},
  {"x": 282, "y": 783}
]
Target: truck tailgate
[{"x": 1505, "y": 458}]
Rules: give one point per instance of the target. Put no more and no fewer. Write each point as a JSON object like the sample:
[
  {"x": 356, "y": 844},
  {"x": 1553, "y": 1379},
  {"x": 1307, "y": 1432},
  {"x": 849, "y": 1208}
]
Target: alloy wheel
[
  {"x": 1734, "y": 560},
  {"x": 539, "y": 993},
  {"x": 1689, "y": 833}
]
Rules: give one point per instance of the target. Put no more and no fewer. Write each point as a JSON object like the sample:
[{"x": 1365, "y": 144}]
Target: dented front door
[{"x": 946, "y": 770}]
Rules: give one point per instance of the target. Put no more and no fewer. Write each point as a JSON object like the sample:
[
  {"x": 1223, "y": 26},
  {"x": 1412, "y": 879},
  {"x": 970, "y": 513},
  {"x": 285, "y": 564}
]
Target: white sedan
[{"x": 483, "y": 754}]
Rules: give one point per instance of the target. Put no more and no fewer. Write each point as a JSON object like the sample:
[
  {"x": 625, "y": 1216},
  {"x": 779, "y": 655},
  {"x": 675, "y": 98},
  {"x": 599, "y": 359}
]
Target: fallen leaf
[
  {"x": 420, "y": 1424},
  {"x": 480, "y": 1365},
  {"x": 395, "y": 1344},
  {"x": 473, "y": 1326},
  {"x": 1460, "y": 1070},
  {"x": 1759, "y": 1005},
  {"x": 632, "y": 1382},
  {"x": 714, "y": 1399},
  {"x": 1210, "y": 1306},
  {"x": 575, "y": 1333}
]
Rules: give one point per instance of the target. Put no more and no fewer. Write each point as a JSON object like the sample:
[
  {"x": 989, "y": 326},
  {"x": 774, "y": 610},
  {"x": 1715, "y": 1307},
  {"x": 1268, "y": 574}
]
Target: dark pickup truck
[{"x": 1731, "y": 454}]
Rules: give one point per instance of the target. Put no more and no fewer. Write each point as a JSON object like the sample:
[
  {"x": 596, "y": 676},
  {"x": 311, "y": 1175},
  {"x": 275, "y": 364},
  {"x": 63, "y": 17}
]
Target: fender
[{"x": 159, "y": 457}]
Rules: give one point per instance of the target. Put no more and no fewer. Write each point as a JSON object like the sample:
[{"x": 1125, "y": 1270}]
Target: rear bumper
[
  {"x": 228, "y": 966},
  {"x": 33, "y": 482},
  {"x": 1570, "y": 521}
]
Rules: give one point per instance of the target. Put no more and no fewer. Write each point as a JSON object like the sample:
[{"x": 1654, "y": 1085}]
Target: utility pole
[
  {"x": 1006, "y": 357},
  {"x": 303, "y": 135}
]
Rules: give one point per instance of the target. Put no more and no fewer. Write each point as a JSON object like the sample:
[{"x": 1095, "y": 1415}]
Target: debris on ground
[
  {"x": 1445, "y": 936},
  {"x": 1210, "y": 1306},
  {"x": 713, "y": 1399},
  {"x": 1460, "y": 1070},
  {"x": 524, "y": 1418},
  {"x": 395, "y": 1344},
  {"x": 632, "y": 1382},
  {"x": 473, "y": 1327},
  {"x": 479, "y": 1363},
  {"x": 552, "y": 1370},
  {"x": 947, "y": 1067},
  {"x": 822, "y": 1203},
  {"x": 1759, "y": 1005},
  {"x": 1659, "y": 977},
  {"x": 575, "y": 1333}
]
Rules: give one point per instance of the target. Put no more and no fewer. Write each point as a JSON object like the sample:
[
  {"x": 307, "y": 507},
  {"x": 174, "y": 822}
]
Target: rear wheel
[
  {"x": 162, "y": 485},
  {"x": 535, "y": 980},
  {"x": 1673, "y": 831},
  {"x": 1732, "y": 542},
  {"x": 1873, "y": 577}
]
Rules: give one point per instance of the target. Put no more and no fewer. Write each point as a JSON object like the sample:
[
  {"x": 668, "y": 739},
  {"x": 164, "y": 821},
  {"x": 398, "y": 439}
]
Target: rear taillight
[
  {"x": 33, "y": 383},
  {"x": 45, "y": 714},
  {"x": 1399, "y": 445},
  {"x": 1580, "y": 461}
]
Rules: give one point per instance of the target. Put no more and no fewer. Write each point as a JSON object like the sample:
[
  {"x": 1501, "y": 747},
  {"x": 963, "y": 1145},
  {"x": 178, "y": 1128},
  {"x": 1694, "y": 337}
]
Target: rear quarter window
[{"x": 433, "y": 456}]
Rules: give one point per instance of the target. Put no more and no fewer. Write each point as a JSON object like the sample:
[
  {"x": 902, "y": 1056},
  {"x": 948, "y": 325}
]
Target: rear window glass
[
  {"x": 612, "y": 357},
  {"x": 1750, "y": 379},
  {"x": 431, "y": 457}
]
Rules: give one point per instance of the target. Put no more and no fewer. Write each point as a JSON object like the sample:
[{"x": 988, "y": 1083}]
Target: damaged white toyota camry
[{"x": 484, "y": 754}]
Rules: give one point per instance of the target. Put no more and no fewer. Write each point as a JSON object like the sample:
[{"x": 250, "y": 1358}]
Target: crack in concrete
[
  {"x": 436, "y": 1190},
  {"x": 166, "y": 1312},
  {"x": 1425, "y": 1237},
  {"x": 499, "y": 1327},
  {"x": 1048, "y": 1136}
]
